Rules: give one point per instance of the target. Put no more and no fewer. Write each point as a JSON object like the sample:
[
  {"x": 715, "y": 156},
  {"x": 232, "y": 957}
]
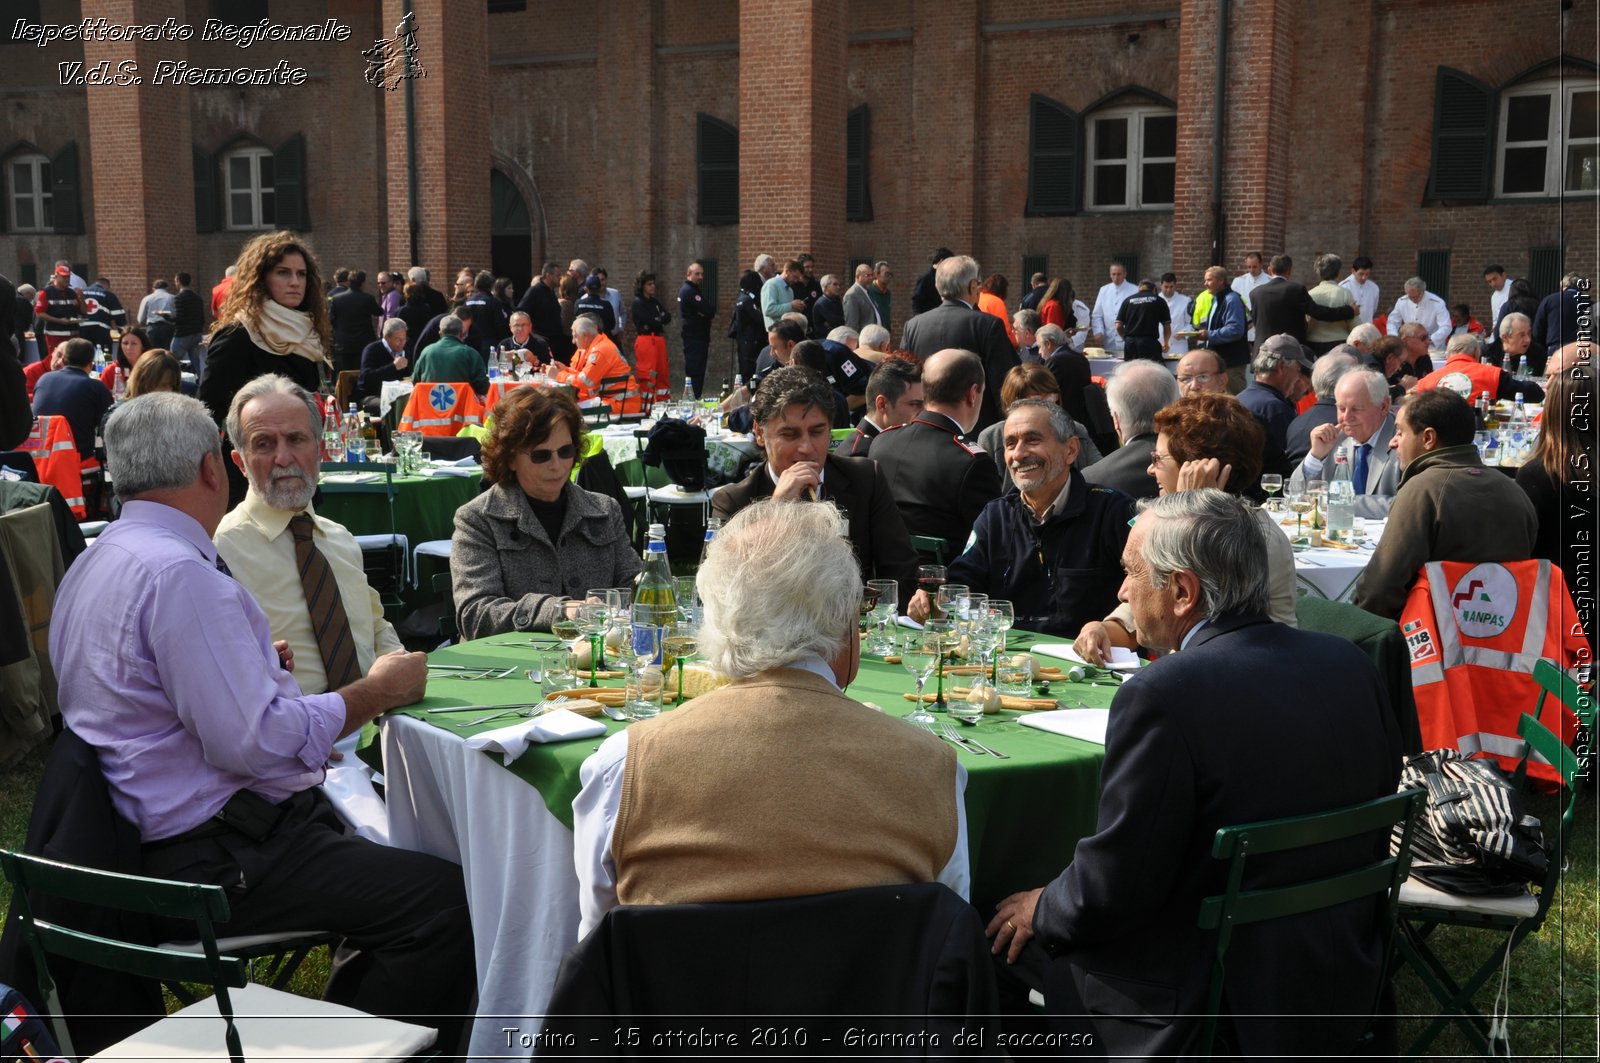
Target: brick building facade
[{"x": 989, "y": 126}]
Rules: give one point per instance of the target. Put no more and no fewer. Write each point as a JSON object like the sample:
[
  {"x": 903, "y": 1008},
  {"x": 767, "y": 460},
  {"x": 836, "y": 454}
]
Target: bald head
[
  {"x": 1200, "y": 370},
  {"x": 952, "y": 383}
]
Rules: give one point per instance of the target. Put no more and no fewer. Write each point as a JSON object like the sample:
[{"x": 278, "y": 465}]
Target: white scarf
[{"x": 283, "y": 332}]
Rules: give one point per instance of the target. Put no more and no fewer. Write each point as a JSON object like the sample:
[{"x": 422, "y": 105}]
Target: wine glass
[
  {"x": 688, "y": 598},
  {"x": 333, "y": 443},
  {"x": 680, "y": 642},
  {"x": 1300, "y": 504},
  {"x": 1271, "y": 483},
  {"x": 565, "y": 624},
  {"x": 929, "y": 579},
  {"x": 616, "y": 615},
  {"x": 947, "y": 599},
  {"x": 944, "y": 630},
  {"x": 918, "y": 652},
  {"x": 1005, "y": 617},
  {"x": 593, "y": 620},
  {"x": 883, "y": 614}
]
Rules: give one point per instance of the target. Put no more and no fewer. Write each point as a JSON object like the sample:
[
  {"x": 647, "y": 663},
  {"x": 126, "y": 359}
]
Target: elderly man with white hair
[
  {"x": 958, "y": 323},
  {"x": 1463, "y": 373},
  {"x": 873, "y": 343},
  {"x": 1363, "y": 426},
  {"x": 1136, "y": 393},
  {"x": 1364, "y": 337},
  {"x": 1426, "y": 309},
  {"x": 776, "y": 785}
]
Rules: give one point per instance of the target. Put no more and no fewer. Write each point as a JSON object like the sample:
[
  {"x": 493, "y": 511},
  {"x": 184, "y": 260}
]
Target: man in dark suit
[
  {"x": 957, "y": 322},
  {"x": 1282, "y": 305},
  {"x": 1196, "y": 742},
  {"x": 383, "y": 360},
  {"x": 791, "y": 415},
  {"x": 543, "y": 307},
  {"x": 1135, "y": 394},
  {"x": 940, "y": 483},
  {"x": 924, "y": 293}
]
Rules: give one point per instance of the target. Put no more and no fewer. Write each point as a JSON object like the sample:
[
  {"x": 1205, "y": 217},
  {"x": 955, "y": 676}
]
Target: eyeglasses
[
  {"x": 1196, "y": 378},
  {"x": 1157, "y": 459},
  {"x": 544, "y": 454}
]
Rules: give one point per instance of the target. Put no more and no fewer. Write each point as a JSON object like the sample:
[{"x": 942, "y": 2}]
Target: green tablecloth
[
  {"x": 424, "y": 506},
  {"x": 1024, "y": 815}
]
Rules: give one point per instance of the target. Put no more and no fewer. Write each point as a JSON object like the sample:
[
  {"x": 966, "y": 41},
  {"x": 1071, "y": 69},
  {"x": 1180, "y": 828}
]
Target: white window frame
[
  {"x": 1555, "y": 141},
  {"x": 1135, "y": 162},
  {"x": 41, "y": 196},
  {"x": 254, "y": 188}
]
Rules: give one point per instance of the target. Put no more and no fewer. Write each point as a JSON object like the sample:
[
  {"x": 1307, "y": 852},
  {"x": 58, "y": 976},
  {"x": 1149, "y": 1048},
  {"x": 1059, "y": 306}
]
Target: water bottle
[
  {"x": 119, "y": 386},
  {"x": 1522, "y": 368},
  {"x": 99, "y": 361},
  {"x": 654, "y": 587},
  {"x": 1506, "y": 364},
  {"x": 354, "y": 448},
  {"x": 1513, "y": 452},
  {"x": 688, "y": 392},
  {"x": 1341, "y": 501},
  {"x": 713, "y": 526}
]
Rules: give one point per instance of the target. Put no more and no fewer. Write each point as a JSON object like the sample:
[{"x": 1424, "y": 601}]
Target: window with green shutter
[
  {"x": 1434, "y": 269},
  {"x": 717, "y": 161},
  {"x": 1544, "y": 270},
  {"x": 1053, "y": 139},
  {"x": 857, "y": 190},
  {"x": 1463, "y": 138}
]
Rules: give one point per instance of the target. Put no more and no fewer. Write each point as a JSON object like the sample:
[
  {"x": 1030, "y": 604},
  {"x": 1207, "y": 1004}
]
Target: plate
[{"x": 1122, "y": 659}]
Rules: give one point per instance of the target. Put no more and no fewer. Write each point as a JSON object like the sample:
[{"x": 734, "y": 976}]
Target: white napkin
[
  {"x": 557, "y": 725},
  {"x": 1086, "y": 724},
  {"x": 1122, "y": 658},
  {"x": 906, "y": 621}
]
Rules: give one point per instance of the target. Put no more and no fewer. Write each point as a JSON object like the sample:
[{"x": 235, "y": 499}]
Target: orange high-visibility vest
[
  {"x": 441, "y": 409},
  {"x": 601, "y": 361},
  {"x": 1464, "y": 370},
  {"x": 55, "y": 455},
  {"x": 499, "y": 389},
  {"x": 1475, "y": 632}
]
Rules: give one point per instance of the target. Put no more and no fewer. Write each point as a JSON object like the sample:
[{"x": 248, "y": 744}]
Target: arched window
[
  {"x": 30, "y": 206},
  {"x": 1132, "y": 157},
  {"x": 249, "y": 190}
]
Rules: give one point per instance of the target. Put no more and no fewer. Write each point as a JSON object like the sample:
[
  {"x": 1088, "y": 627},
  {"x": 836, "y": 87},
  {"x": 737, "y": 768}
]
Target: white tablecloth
[
  {"x": 522, "y": 889},
  {"x": 1330, "y": 572}
]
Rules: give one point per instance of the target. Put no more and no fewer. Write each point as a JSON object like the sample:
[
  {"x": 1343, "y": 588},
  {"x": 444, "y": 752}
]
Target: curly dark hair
[
  {"x": 1213, "y": 425},
  {"x": 249, "y": 291},
  {"x": 790, "y": 385},
  {"x": 522, "y": 420}
]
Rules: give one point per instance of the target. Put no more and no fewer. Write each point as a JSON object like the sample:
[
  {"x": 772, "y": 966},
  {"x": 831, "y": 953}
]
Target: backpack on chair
[{"x": 1474, "y": 836}]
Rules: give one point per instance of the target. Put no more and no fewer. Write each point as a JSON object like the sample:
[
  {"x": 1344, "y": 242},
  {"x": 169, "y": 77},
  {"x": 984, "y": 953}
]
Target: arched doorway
[{"x": 511, "y": 231}]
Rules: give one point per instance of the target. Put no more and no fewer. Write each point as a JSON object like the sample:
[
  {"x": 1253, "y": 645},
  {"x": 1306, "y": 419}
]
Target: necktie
[
  {"x": 222, "y": 567},
  {"x": 1359, "y": 473},
  {"x": 328, "y": 620}
]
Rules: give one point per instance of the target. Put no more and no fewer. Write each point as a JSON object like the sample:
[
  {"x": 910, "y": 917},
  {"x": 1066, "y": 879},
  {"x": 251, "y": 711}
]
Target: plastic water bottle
[
  {"x": 1522, "y": 368},
  {"x": 1341, "y": 501},
  {"x": 1514, "y": 451},
  {"x": 99, "y": 361},
  {"x": 1506, "y": 364},
  {"x": 119, "y": 386},
  {"x": 688, "y": 392},
  {"x": 713, "y": 526},
  {"x": 354, "y": 450}
]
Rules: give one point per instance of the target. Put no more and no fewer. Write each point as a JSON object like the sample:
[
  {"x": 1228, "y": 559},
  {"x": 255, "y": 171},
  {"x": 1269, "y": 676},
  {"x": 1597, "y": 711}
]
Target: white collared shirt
[
  {"x": 1244, "y": 284},
  {"x": 1366, "y": 297},
  {"x": 1497, "y": 300},
  {"x": 1430, "y": 313},
  {"x": 1178, "y": 307},
  {"x": 594, "y": 820},
  {"x": 1103, "y": 319},
  {"x": 255, "y": 541}
]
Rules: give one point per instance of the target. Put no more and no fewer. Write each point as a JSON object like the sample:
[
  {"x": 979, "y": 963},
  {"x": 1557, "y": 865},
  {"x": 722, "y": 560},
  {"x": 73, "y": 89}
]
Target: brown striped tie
[{"x": 328, "y": 620}]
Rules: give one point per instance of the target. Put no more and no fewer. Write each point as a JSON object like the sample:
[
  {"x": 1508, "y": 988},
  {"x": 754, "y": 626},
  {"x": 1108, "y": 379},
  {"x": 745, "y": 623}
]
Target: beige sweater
[{"x": 779, "y": 786}]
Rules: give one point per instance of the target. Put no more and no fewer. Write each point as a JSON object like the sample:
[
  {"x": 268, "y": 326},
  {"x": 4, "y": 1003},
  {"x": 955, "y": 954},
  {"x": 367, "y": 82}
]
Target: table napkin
[
  {"x": 1086, "y": 724},
  {"x": 557, "y": 725}
]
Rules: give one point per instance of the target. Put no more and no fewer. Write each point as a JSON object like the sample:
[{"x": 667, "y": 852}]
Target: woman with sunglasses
[{"x": 534, "y": 538}]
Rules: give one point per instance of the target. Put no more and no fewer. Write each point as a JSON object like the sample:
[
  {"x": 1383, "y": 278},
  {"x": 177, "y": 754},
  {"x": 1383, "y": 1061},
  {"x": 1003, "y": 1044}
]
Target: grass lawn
[{"x": 1554, "y": 994}]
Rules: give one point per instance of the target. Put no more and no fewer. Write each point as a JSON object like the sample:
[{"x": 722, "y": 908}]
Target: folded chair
[
  {"x": 1507, "y": 920},
  {"x": 273, "y": 1023}
]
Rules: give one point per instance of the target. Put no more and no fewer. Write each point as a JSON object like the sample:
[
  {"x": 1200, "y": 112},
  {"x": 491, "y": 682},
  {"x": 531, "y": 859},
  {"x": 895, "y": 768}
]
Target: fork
[
  {"x": 948, "y": 731},
  {"x": 926, "y": 726},
  {"x": 956, "y": 736},
  {"x": 526, "y": 712}
]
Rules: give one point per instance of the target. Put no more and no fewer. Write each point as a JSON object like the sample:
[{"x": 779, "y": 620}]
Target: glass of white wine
[
  {"x": 1271, "y": 483},
  {"x": 681, "y": 641},
  {"x": 1300, "y": 502},
  {"x": 565, "y": 624}
]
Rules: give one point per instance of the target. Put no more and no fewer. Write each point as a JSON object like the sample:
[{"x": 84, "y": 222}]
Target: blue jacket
[
  {"x": 1226, "y": 327},
  {"x": 1057, "y": 575}
]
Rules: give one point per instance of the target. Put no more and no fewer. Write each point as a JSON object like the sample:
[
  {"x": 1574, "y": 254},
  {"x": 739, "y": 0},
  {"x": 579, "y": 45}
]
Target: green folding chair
[
  {"x": 291, "y": 1026},
  {"x": 1238, "y": 906},
  {"x": 931, "y": 547},
  {"x": 384, "y": 554},
  {"x": 1510, "y": 920}
]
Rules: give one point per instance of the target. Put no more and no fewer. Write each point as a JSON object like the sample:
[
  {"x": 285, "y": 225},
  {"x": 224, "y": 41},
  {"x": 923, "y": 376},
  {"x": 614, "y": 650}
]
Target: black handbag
[{"x": 1474, "y": 836}]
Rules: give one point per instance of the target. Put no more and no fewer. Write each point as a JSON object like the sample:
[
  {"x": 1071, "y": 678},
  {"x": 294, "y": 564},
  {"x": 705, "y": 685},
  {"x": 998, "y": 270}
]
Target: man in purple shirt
[{"x": 169, "y": 670}]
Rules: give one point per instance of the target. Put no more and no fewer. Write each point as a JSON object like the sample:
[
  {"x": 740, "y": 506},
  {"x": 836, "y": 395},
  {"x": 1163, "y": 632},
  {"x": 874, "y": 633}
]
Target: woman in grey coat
[{"x": 535, "y": 538}]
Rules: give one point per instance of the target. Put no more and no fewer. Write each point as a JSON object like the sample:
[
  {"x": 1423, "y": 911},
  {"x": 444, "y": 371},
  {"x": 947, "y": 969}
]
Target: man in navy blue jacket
[
  {"x": 696, "y": 310},
  {"x": 1053, "y": 546}
]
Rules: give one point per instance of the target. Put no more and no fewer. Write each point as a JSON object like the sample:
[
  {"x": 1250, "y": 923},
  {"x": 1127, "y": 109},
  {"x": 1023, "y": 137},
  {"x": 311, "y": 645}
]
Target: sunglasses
[{"x": 544, "y": 454}]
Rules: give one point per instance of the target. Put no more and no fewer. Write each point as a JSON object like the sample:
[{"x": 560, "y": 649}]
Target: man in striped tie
[{"x": 303, "y": 569}]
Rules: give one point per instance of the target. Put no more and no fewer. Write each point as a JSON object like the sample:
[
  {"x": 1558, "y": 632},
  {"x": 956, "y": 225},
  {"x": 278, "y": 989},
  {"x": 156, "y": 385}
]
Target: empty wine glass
[
  {"x": 918, "y": 652},
  {"x": 883, "y": 615},
  {"x": 333, "y": 443},
  {"x": 946, "y": 599},
  {"x": 944, "y": 629},
  {"x": 593, "y": 620}
]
